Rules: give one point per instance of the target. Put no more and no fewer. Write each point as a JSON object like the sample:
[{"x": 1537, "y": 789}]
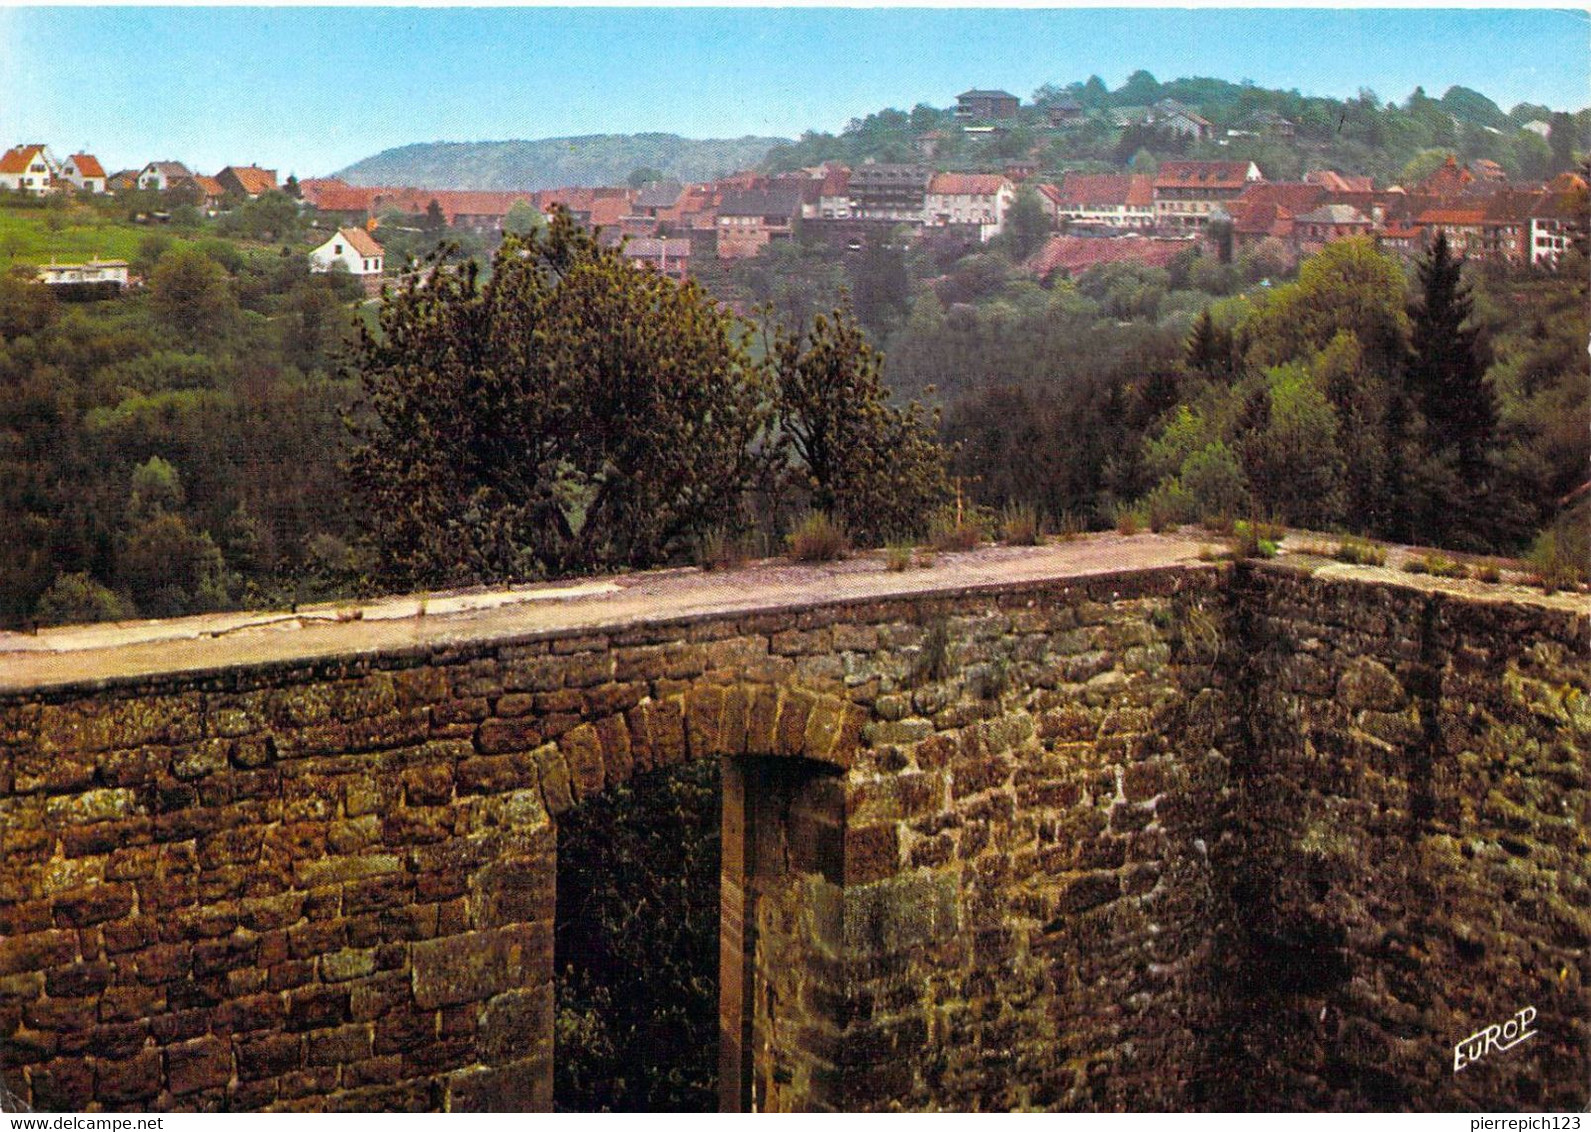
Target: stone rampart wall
[{"x": 1196, "y": 837}]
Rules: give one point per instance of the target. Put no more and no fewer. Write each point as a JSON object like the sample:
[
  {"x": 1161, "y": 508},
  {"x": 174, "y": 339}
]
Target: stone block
[
  {"x": 205, "y": 1063},
  {"x": 582, "y": 754},
  {"x": 553, "y": 775},
  {"x": 123, "y": 1083},
  {"x": 268, "y": 1056},
  {"x": 520, "y": 1086},
  {"x": 337, "y": 1046},
  {"x": 501, "y": 736},
  {"x": 478, "y": 965}
]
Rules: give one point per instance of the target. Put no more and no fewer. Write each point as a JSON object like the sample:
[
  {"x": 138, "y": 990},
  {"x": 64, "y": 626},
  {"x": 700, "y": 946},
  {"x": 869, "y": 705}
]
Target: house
[
  {"x": 125, "y": 181},
  {"x": 1187, "y": 191},
  {"x": 883, "y": 191},
  {"x": 84, "y": 172},
  {"x": 750, "y": 219},
  {"x": 28, "y": 169},
  {"x": 969, "y": 198},
  {"x": 1265, "y": 124},
  {"x": 986, "y": 105},
  {"x": 162, "y": 176},
  {"x": 1065, "y": 112},
  {"x": 928, "y": 143},
  {"x": 338, "y": 205},
  {"x": 96, "y": 279},
  {"x": 834, "y": 198},
  {"x": 657, "y": 196},
  {"x": 1318, "y": 227},
  {"x": 1169, "y": 114},
  {"x": 209, "y": 190},
  {"x": 1555, "y": 215},
  {"x": 1465, "y": 228},
  {"x": 247, "y": 181},
  {"x": 1332, "y": 181},
  {"x": 1542, "y": 130},
  {"x": 670, "y": 256},
  {"x": 1117, "y": 200},
  {"x": 1449, "y": 180},
  {"x": 357, "y": 250}
]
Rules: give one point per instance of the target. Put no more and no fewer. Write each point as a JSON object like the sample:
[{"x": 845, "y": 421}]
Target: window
[{"x": 336, "y": 249}]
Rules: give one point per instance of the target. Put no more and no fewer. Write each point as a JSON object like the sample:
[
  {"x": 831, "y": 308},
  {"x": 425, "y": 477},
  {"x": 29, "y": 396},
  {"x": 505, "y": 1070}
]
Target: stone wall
[{"x": 1192, "y": 837}]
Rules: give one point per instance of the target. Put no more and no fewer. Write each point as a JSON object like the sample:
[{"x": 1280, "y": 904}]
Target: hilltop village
[{"x": 1085, "y": 218}]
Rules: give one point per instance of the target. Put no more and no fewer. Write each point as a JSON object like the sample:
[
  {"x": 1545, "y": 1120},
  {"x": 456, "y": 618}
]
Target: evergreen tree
[{"x": 1447, "y": 365}]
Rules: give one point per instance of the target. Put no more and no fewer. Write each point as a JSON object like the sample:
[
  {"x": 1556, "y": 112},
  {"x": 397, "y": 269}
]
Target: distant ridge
[{"x": 549, "y": 163}]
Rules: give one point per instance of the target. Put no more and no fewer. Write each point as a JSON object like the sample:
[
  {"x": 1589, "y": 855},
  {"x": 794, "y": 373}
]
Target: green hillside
[{"x": 604, "y": 159}]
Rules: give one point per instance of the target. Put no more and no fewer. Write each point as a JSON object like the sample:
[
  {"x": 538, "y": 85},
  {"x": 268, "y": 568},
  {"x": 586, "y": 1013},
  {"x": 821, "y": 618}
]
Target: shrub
[
  {"x": 950, "y": 531},
  {"x": 721, "y": 550},
  {"x": 1488, "y": 572},
  {"x": 1020, "y": 526},
  {"x": 1360, "y": 552},
  {"x": 817, "y": 538},
  {"x": 78, "y": 598},
  {"x": 898, "y": 556},
  {"x": 1256, "y": 539},
  {"x": 1437, "y": 565},
  {"x": 1214, "y": 484},
  {"x": 1071, "y": 526},
  {"x": 1128, "y": 521},
  {"x": 1559, "y": 556},
  {"x": 1167, "y": 506}
]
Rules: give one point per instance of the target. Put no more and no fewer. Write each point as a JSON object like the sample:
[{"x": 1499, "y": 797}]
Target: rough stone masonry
[{"x": 1026, "y": 830}]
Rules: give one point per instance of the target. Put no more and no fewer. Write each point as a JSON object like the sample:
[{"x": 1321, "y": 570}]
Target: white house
[
  {"x": 162, "y": 175},
  {"x": 28, "y": 169},
  {"x": 85, "y": 172},
  {"x": 970, "y": 198},
  {"x": 356, "y": 250}
]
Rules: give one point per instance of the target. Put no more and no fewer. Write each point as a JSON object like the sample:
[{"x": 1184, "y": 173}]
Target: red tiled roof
[
  {"x": 310, "y": 188},
  {"x": 1293, "y": 196},
  {"x": 1457, "y": 217},
  {"x": 1202, "y": 174},
  {"x": 16, "y": 159},
  {"x": 1104, "y": 190},
  {"x": 87, "y": 165},
  {"x": 344, "y": 198},
  {"x": 209, "y": 185},
  {"x": 1259, "y": 218},
  {"x": 1075, "y": 254},
  {"x": 966, "y": 184},
  {"x": 360, "y": 240},
  {"x": 253, "y": 179},
  {"x": 1447, "y": 180}
]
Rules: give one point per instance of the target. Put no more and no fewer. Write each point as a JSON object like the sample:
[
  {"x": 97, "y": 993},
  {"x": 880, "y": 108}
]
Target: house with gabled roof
[
  {"x": 357, "y": 251},
  {"x": 1118, "y": 200},
  {"x": 1187, "y": 191},
  {"x": 209, "y": 190},
  {"x": 163, "y": 176},
  {"x": 29, "y": 169},
  {"x": 248, "y": 181},
  {"x": 969, "y": 198},
  {"x": 750, "y": 219},
  {"x": 84, "y": 173}
]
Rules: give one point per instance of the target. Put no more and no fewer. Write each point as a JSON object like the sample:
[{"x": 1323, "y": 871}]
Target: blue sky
[{"x": 310, "y": 90}]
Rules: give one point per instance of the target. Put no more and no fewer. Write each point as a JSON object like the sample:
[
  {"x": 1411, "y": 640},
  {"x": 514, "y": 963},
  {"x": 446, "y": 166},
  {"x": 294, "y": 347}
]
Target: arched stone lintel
[{"x": 705, "y": 721}]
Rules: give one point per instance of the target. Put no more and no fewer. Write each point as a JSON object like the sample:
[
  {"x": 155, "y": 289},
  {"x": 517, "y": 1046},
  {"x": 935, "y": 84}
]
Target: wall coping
[{"x": 99, "y": 657}]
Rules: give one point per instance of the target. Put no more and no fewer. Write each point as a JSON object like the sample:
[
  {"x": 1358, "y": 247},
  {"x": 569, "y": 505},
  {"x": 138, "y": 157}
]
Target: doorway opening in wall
[{"x": 636, "y": 946}]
